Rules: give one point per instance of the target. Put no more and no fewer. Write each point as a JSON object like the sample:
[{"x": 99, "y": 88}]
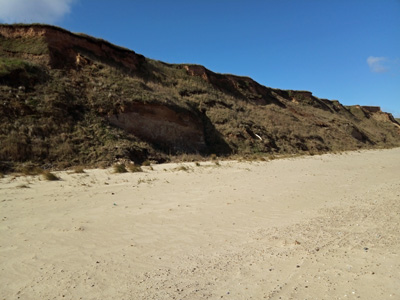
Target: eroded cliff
[{"x": 70, "y": 99}]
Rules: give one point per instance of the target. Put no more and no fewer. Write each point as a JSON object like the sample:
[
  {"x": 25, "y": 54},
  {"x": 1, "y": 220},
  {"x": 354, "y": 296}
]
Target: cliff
[{"x": 69, "y": 99}]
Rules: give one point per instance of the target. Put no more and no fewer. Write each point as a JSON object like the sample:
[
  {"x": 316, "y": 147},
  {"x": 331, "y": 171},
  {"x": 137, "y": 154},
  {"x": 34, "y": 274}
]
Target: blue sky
[{"x": 347, "y": 50}]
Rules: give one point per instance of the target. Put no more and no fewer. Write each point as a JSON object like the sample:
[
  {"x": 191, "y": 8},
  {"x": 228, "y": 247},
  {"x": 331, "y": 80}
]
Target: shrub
[
  {"x": 182, "y": 168},
  {"x": 47, "y": 175},
  {"x": 30, "y": 169},
  {"x": 146, "y": 163},
  {"x": 134, "y": 168},
  {"x": 22, "y": 186},
  {"x": 120, "y": 168},
  {"x": 79, "y": 169}
]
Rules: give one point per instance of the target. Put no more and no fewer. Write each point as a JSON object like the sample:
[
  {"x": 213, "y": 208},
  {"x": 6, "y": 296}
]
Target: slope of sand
[{"x": 321, "y": 227}]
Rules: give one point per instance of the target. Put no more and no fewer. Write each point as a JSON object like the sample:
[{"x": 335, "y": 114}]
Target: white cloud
[
  {"x": 377, "y": 64},
  {"x": 33, "y": 11}
]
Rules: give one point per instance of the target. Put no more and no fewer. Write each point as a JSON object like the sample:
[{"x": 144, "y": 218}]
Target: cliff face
[
  {"x": 241, "y": 87},
  {"x": 163, "y": 126},
  {"x": 73, "y": 99}
]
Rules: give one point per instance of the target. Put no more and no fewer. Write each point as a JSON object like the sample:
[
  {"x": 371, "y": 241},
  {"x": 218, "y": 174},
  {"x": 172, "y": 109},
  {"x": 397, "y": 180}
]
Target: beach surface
[{"x": 314, "y": 227}]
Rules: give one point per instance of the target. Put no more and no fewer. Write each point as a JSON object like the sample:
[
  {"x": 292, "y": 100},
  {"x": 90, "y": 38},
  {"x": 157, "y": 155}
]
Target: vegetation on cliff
[{"x": 69, "y": 99}]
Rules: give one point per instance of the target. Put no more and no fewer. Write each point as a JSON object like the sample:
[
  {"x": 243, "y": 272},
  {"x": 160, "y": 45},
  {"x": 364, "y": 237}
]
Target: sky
[{"x": 346, "y": 50}]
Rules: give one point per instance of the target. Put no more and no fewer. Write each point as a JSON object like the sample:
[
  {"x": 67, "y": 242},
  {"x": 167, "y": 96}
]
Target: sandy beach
[{"x": 315, "y": 227}]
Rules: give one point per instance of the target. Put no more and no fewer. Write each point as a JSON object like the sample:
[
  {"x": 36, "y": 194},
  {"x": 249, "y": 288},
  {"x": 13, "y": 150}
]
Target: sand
[{"x": 320, "y": 227}]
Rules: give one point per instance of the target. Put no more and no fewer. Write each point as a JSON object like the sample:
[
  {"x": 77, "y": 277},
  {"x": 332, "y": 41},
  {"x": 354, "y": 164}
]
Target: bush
[
  {"x": 79, "y": 169},
  {"x": 146, "y": 163},
  {"x": 134, "y": 168},
  {"x": 182, "y": 168},
  {"x": 120, "y": 168},
  {"x": 50, "y": 176},
  {"x": 22, "y": 186},
  {"x": 31, "y": 169}
]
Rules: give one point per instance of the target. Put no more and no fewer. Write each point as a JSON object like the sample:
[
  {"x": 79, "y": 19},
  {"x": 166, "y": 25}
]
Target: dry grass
[
  {"x": 146, "y": 163},
  {"x": 187, "y": 157},
  {"x": 47, "y": 175},
  {"x": 182, "y": 168},
  {"x": 134, "y": 168},
  {"x": 23, "y": 186},
  {"x": 120, "y": 168},
  {"x": 79, "y": 170},
  {"x": 213, "y": 156},
  {"x": 31, "y": 170}
]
